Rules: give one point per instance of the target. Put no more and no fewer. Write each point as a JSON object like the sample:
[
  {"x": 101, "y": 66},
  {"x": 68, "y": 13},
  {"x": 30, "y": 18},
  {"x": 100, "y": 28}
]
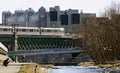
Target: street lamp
[
  {"x": 15, "y": 37},
  {"x": 15, "y": 45}
]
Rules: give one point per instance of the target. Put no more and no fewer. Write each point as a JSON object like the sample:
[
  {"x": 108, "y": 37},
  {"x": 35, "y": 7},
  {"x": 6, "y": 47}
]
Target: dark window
[
  {"x": 48, "y": 30},
  {"x": 53, "y": 15},
  {"x": 64, "y": 19},
  {"x": 4, "y": 29},
  {"x": 23, "y": 30},
  {"x": 31, "y": 30},
  {"x": 42, "y": 30},
  {"x": 55, "y": 30},
  {"x": 75, "y": 18}
]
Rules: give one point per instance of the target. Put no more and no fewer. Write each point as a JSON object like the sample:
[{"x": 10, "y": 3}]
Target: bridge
[
  {"x": 45, "y": 51},
  {"x": 56, "y": 56}
]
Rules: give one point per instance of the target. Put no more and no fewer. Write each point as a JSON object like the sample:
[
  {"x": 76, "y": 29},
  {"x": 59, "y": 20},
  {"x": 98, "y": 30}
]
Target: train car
[
  {"x": 28, "y": 31},
  {"x": 52, "y": 31},
  {"x": 8, "y": 30}
]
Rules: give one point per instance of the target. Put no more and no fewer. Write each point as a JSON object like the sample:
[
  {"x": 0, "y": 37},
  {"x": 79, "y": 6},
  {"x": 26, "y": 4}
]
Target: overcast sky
[{"x": 88, "y": 6}]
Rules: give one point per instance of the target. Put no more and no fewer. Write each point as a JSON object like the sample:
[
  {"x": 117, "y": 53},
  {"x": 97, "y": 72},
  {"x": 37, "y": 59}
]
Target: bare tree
[
  {"x": 114, "y": 8},
  {"x": 102, "y": 38}
]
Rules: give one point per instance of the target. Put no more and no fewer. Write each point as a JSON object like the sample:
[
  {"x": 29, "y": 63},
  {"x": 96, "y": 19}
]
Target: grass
[
  {"x": 86, "y": 64},
  {"x": 46, "y": 65},
  {"x": 1, "y": 61},
  {"x": 112, "y": 65},
  {"x": 27, "y": 68}
]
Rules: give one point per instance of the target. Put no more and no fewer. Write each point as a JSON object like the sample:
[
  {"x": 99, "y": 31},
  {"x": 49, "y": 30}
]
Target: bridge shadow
[{"x": 62, "y": 64}]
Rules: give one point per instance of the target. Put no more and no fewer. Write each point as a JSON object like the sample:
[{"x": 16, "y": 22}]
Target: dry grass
[
  {"x": 46, "y": 65},
  {"x": 113, "y": 65},
  {"x": 27, "y": 68},
  {"x": 86, "y": 64},
  {"x": 1, "y": 61},
  {"x": 31, "y": 68},
  {"x": 106, "y": 66}
]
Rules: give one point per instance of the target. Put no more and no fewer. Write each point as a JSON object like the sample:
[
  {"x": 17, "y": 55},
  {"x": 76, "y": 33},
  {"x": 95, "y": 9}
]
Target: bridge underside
[{"x": 45, "y": 51}]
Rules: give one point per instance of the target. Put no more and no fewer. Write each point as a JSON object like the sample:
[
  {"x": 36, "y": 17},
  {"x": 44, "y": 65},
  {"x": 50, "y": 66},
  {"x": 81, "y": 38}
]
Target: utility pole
[{"x": 15, "y": 45}]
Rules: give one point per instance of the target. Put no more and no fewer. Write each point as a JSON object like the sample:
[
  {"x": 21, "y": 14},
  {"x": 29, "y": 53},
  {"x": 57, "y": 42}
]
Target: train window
[
  {"x": 44, "y": 30},
  {"x": 37, "y": 30},
  {"x": 12, "y": 30},
  {"x": 48, "y": 30},
  {"x": 31, "y": 30},
  {"x": 55, "y": 31},
  {"x": 0, "y": 29},
  {"x": 34, "y": 30},
  {"x": 19, "y": 30},
  {"x": 5, "y": 29},
  {"x": 23, "y": 30},
  {"x": 8, "y": 29}
]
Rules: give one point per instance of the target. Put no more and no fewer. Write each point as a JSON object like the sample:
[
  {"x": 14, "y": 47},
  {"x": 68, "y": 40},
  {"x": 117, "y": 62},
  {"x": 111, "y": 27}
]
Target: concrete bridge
[
  {"x": 45, "y": 51},
  {"x": 57, "y": 56}
]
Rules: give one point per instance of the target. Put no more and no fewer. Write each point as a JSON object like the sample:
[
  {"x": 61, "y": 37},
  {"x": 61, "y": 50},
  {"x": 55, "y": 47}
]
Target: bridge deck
[{"x": 45, "y": 51}]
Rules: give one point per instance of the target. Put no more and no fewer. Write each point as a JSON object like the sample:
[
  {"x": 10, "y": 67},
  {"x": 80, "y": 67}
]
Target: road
[{"x": 11, "y": 68}]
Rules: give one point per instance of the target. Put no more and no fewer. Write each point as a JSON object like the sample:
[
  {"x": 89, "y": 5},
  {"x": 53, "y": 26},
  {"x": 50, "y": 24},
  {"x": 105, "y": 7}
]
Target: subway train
[{"x": 8, "y": 30}]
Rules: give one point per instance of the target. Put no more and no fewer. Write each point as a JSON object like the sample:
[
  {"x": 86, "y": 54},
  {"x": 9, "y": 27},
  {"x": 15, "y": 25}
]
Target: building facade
[
  {"x": 25, "y": 18},
  {"x": 65, "y": 19}
]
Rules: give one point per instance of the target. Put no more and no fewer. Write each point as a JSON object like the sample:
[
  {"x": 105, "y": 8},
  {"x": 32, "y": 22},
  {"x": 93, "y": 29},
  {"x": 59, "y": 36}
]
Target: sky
[{"x": 87, "y": 6}]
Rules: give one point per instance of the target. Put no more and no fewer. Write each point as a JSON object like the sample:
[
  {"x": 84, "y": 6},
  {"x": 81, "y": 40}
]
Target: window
[
  {"x": 75, "y": 18},
  {"x": 43, "y": 30},
  {"x": 31, "y": 30},
  {"x": 21, "y": 18},
  {"x": 48, "y": 30},
  {"x": 53, "y": 15},
  {"x": 64, "y": 19},
  {"x": 10, "y": 19},
  {"x": 23, "y": 30},
  {"x": 55, "y": 30},
  {"x": 4, "y": 29},
  {"x": 34, "y": 17}
]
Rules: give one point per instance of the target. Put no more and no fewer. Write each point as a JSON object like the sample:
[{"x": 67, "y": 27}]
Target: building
[
  {"x": 58, "y": 18},
  {"x": 53, "y": 17},
  {"x": 42, "y": 17},
  {"x": 69, "y": 19},
  {"x": 25, "y": 18}
]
